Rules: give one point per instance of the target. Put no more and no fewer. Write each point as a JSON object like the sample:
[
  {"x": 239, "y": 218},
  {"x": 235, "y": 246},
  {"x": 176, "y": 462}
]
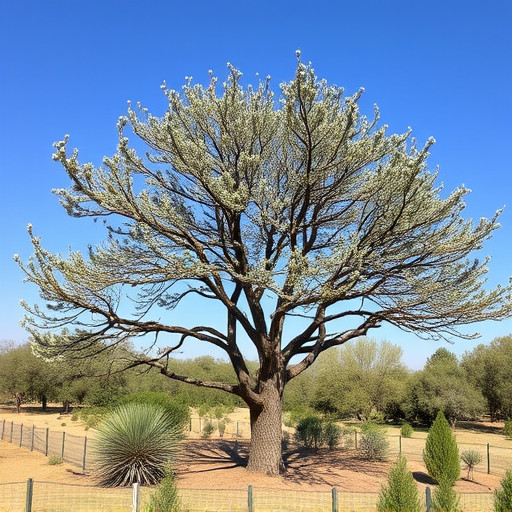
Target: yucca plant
[{"x": 135, "y": 443}]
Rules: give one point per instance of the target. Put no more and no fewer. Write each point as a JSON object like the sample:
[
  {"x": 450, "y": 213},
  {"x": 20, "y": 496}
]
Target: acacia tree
[{"x": 301, "y": 207}]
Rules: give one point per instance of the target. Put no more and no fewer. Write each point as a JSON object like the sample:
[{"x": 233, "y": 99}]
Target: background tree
[
  {"x": 22, "y": 373},
  {"x": 443, "y": 385},
  {"x": 489, "y": 369},
  {"x": 366, "y": 378},
  {"x": 266, "y": 211}
]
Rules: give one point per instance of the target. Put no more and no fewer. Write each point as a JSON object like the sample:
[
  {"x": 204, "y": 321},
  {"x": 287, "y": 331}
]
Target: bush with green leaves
[
  {"x": 471, "y": 458},
  {"x": 208, "y": 429},
  {"x": 221, "y": 425},
  {"x": 93, "y": 416},
  {"x": 135, "y": 443},
  {"x": 331, "y": 434},
  {"x": 309, "y": 432},
  {"x": 406, "y": 430},
  {"x": 165, "y": 497},
  {"x": 55, "y": 460},
  {"x": 445, "y": 499},
  {"x": 373, "y": 444},
  {"x": 503, "y": 496},
  {"x": 441, "y": 455},
  {"x": 178, "y": 410},
  {"x": 507, "y": 430},
  {"x": 401, "y": 493}
]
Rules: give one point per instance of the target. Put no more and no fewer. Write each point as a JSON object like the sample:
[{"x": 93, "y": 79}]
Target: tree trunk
[{"x": 266, "y": 432}]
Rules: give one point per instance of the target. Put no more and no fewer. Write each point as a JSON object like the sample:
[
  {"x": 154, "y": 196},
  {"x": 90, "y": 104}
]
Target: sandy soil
[{"x": 219, "y": 463}]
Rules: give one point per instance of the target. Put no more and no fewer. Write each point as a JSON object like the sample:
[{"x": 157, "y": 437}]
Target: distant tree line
[
  {"x": 368, "y": 380},
  {"x": 102, "y": 380},
  {"x": 364, "y": 380}
]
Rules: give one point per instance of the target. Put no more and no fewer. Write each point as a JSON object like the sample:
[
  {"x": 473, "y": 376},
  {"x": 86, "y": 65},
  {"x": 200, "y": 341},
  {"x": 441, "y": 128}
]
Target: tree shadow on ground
[
  {"x": 227, "y": 454},
  {"x": 484, "y": 428},
  {"x": 323, "y": 466},
  {"x": 423, "y": 478},
  {"x": 303, "y": 466}
]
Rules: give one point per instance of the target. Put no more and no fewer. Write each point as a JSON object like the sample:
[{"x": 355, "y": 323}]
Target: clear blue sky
[{"x": 442, "y": 67}]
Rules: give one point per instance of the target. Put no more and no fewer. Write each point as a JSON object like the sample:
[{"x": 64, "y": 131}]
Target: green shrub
[
  {"x": 165, "y": 497},
  {"x": 401, "y": 493},
  {"x": 471, "y": 458},
  {"x": 54, "y": 460},
  {"x": 221, "y": 425},
  {"x": 208, "y": 429},
  {"x": 507, "y": 430},
  {"x": 373, "y": 445},
  {"x": 406, "y": 430},
  {"x": 135, "y": 443},
  {"x": 347, "y": 437},
  {"x": 503, "y": 496},
  {"x": 441, "y": 455},
  {"x": 178, "y": 410},
  {"x": 445, "y": 499},
  {"x": 331, "y": 435},
  {"x": 93, "y": 416},
  {"x": 308, "y": 432}
]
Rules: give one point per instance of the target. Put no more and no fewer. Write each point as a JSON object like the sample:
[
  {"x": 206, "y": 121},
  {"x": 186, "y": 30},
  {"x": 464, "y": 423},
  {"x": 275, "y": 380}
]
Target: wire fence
[
  {"x": 75, "y": 450},
  {"x": 57, "y": 497},
  {"x": 495, "y": 459},
  {"x": 71, "y": 448}
]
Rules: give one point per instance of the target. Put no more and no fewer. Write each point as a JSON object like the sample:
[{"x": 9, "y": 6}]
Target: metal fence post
[
  {"x": 12, "y": 428},
  {"x": 135, "y": 497},
  {"x": 334, "y": 499},
  {"x": 355, "y": 439},
  {"x": 30, "y": 491},
  {"x": 32, "y": 440},
  {"x": 63, "y": 442},
  {"x": 3, "y": 429},
  {"x": 250, "y": 502},
  {"x": 85, "y": 451},
  {"x": 399, "y": 445},
  {"x": 47, "y": 441},
  {"x": 21, "y": 434},
  {"x": 428, "y": 498},
  {"x": 488, "y": 459}
]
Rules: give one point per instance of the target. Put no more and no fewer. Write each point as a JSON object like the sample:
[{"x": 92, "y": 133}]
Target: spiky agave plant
[{"x": 135, "y": 443}]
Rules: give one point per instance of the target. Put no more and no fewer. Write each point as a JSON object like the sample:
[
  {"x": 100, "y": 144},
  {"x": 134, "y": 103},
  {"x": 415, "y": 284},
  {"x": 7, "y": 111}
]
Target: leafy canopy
[{"x": 270, "y": 209}]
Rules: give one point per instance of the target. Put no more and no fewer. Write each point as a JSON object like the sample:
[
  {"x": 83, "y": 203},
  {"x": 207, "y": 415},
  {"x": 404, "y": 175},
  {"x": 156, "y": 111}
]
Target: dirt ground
[{"x": 219, "y": 463}]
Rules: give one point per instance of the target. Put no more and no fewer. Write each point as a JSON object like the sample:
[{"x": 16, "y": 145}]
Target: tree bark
[{"x": 266, "y": 432}]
